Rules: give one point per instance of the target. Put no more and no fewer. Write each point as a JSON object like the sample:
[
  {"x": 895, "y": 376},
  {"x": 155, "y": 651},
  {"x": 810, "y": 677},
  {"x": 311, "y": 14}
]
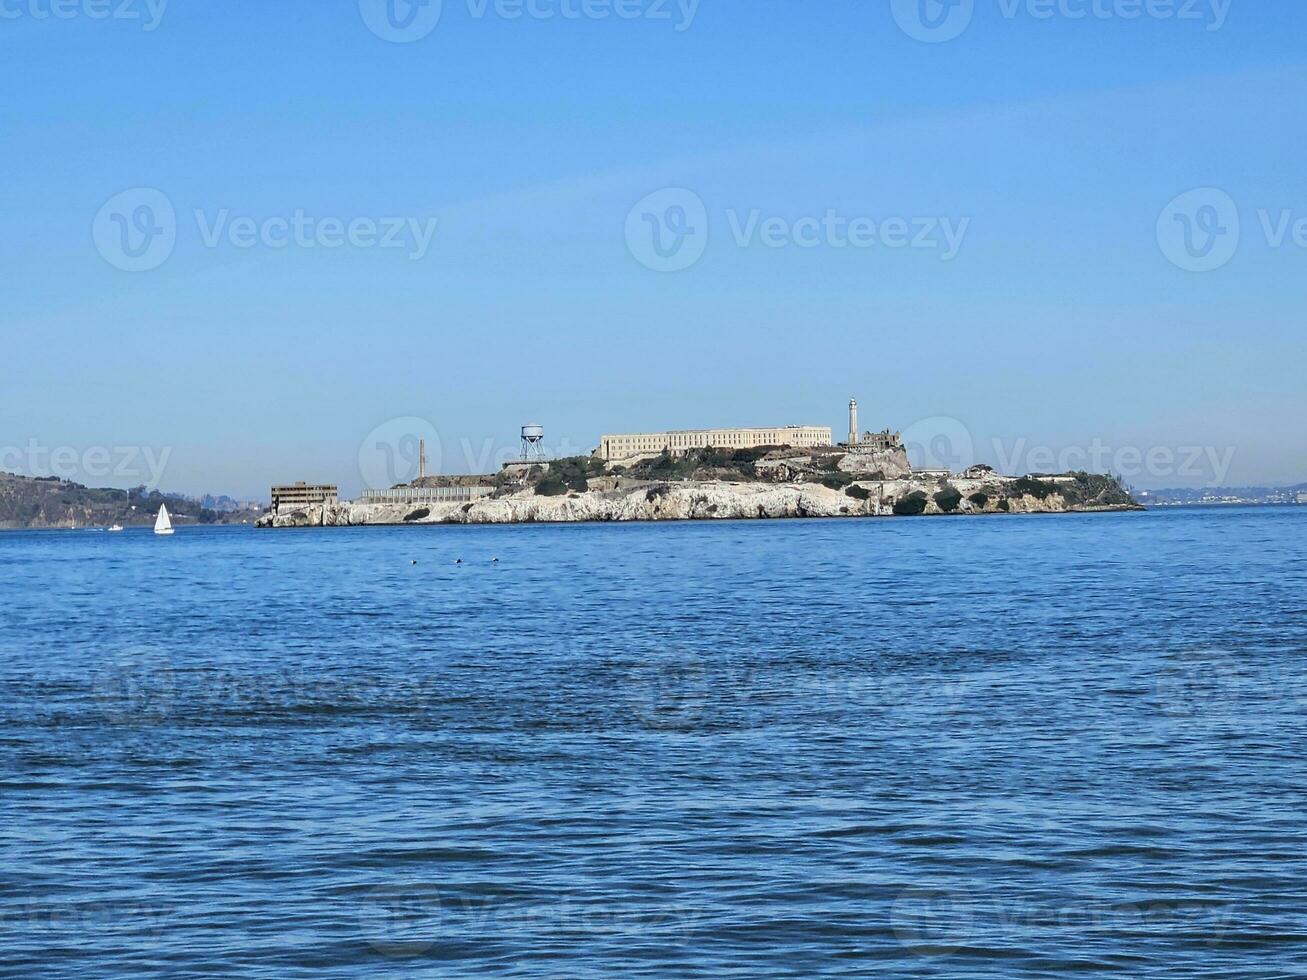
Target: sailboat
[
  {"x": 163, "y": 523},
  {"x": 115, "y": 527}
]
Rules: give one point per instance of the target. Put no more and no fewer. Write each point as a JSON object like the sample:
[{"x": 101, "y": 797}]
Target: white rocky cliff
[{"x": 726, "y": 500}]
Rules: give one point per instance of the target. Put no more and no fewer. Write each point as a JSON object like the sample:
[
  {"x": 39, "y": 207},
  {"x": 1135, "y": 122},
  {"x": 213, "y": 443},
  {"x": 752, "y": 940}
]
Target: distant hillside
[
  {"x": 224, "y": 503},
  {"x": 27, "y": 502}
]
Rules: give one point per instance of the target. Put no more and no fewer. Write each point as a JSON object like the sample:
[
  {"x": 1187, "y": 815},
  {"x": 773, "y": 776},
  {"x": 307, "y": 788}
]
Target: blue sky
[{"x": 1063, "y": 319}]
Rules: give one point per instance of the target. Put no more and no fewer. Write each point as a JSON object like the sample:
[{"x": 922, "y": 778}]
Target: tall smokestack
[
  {"x": 422, "y": 458},
  {"x": 853, "y": 421}
]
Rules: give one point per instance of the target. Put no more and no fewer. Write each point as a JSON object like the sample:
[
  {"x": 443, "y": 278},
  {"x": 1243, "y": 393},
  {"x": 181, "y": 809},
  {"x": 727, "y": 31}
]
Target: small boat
[
  {"x": 115, "y": 527},
  {"x": 163, "y": 523}
]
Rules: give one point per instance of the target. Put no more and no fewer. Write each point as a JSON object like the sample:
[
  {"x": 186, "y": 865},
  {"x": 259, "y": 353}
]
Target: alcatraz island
[{"x": 702, "y": 474}]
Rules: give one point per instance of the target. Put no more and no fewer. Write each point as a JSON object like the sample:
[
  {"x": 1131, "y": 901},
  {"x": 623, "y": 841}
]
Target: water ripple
[{"x": 1020, "y": 747}]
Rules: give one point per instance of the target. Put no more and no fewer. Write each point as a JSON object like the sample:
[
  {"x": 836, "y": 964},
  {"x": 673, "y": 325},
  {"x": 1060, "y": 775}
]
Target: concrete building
[
  {"x": 869, "y": 440},
  {"x": 625, "y": 446},
  {"x": 878, "y": 440},
  {"x": 295, "y": 495}
]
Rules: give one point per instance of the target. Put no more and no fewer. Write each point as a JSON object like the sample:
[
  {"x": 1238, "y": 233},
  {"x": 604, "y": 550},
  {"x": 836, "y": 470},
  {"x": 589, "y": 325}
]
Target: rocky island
[{"x": 715, "y": 484}]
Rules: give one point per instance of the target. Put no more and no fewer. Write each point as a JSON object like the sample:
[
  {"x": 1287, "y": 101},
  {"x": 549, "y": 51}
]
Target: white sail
[{"x": 162, "y": 523}]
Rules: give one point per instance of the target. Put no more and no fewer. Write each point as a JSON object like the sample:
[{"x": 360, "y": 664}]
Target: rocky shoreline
[{"x": 719, "y": 500}]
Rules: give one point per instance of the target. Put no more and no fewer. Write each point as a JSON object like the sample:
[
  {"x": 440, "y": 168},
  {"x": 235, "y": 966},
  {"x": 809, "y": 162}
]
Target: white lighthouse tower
[{"x": 853, "y": 421}]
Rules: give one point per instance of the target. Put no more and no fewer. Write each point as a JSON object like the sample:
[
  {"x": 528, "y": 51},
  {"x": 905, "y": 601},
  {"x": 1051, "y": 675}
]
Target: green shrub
[
  {"x": 719, "y": 464},
  {"x": 836, "y": 481},
  {"x": 745, "y": 469},
  {"x": 913, "y": 503},
  {"x": 857, "y": 492},
  {"x": 1035, "y": 488},
  {"x": 551, "y": 486},
  {"x": 1004, "y": 505},
  {"x": 948, "y": 499},
  {"x": 979, "y": 499},
  {"x": 571, "y": 472},
  {"x": 1096, "y": 489}
]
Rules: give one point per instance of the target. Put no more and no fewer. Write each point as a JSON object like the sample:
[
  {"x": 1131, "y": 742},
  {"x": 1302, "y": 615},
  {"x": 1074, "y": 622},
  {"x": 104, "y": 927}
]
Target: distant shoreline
[{"x": 1154, "y": 505}]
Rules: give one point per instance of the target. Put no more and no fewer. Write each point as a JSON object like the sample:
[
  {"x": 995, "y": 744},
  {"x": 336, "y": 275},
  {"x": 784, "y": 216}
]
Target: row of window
[{"x": 693, "y": 440}]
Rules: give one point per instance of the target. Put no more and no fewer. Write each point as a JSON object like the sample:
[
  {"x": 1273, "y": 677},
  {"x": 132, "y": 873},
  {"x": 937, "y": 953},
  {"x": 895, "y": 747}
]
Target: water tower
[{"x": 533, "y": 437}]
